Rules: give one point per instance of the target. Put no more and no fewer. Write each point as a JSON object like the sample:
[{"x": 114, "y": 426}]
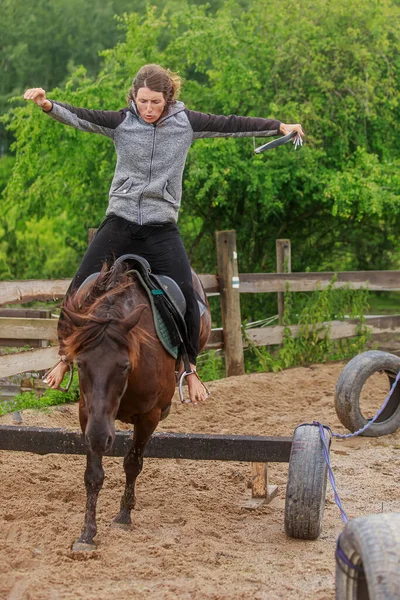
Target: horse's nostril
[{"x": 109, "y": 442}]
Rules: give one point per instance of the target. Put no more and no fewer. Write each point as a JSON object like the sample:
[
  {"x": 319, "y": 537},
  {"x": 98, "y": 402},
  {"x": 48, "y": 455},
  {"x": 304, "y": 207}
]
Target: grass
[
  {"x": 29, "y": 400},
  {"x": 384, "y": 303}
]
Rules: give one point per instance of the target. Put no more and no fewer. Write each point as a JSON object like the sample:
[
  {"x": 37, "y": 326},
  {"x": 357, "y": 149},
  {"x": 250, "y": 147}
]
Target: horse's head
[{"x": 105, "y": 352}]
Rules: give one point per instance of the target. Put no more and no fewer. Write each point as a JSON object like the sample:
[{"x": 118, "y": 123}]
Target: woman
[{"x": 152, "y": 137}]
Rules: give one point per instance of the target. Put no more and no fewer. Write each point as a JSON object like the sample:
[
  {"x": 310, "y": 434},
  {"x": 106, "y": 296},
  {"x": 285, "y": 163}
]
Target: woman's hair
[{"x": 157, "y": 79}]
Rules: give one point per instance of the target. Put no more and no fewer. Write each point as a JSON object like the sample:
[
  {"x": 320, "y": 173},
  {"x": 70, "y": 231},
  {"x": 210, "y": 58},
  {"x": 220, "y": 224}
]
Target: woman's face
[{"x": 150, "y": 104}]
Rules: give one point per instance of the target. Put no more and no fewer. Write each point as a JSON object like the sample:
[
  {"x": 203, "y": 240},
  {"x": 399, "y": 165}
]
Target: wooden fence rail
[
  {"x": 252, "y": 283},
  {"x": 8, "y": 339},
  {"x": 22, "y": 362},
  {"x": 32, "y": 329},
  {"x": 11, "y": 364},
  {"x": 38, "y": 329},
  {"x": 228, "y": 283},
  {"x": 18, "y": 292}
]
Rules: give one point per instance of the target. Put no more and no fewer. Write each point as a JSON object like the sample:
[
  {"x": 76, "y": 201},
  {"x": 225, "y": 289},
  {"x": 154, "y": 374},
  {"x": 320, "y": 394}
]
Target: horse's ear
[
  {"x": 75, "y": 318},
  {"x": 133, "y": 319}
]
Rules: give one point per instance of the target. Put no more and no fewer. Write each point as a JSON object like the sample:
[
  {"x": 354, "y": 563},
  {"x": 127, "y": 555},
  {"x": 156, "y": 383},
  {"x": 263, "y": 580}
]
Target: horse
[{"x": 124, "y": 373}]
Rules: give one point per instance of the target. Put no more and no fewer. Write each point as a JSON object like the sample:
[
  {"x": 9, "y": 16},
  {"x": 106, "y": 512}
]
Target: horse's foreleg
[
  {"x": 94, "y": 477},
  {"x": 133, "y": 464}
]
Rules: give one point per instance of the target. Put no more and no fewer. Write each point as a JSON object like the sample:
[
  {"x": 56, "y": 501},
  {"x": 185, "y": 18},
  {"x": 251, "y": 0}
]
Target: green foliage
[
  {"x": 29, "y": 400},
  {"x": 211, "y": 365},
  {"x": 43, "y": 40},
  {"x": 312, "y": 313},
  {"x": 42, "y": 253},
  {"x": 6, "y": 168},
  {"x": 384, "y": 303},
  {"x": 14, "y": 349},
  {"x": 333, "y": 66},
  {"x": 335, "y": 71}
]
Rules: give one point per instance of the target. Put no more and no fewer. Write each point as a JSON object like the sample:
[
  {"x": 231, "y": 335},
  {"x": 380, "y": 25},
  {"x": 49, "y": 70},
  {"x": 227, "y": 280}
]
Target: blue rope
[
  {"x": 331, "y": 475},
  {"x": 341, "y": 557},
  {"x": 349, "y": 435}
]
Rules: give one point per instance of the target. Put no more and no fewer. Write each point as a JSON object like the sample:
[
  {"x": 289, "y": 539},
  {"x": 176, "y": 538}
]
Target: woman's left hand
[{"x": 285, "y": 129}]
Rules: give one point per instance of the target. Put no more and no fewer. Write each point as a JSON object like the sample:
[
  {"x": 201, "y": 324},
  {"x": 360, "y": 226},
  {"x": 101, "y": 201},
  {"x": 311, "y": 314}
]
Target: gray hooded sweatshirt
[{"x": 147, "y": 183}]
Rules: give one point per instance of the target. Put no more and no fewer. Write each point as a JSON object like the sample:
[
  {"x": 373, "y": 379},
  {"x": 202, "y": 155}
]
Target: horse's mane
[{"x": 96, "y": 313}]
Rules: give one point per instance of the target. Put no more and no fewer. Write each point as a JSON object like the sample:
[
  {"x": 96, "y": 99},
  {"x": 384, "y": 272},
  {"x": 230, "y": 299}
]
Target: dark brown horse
[{"x": 124, "y": 373}]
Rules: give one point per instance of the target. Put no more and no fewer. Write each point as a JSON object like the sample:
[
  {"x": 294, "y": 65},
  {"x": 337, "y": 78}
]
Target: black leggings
[{"x": 161, "y": 245}]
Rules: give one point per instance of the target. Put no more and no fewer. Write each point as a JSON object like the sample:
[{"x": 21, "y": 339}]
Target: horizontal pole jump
[{"x": 190, "y": 446}]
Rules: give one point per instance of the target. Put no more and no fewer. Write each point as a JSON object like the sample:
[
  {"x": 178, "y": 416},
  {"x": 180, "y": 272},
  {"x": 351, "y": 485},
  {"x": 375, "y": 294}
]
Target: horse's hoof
[
  {"x": 124, "y": 526},
  {"x": 82, "y": 547}
]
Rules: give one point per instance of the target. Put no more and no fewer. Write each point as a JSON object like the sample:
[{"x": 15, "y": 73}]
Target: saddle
[
  {"x": 167, "y": 301},
  {"x": 159, "y": 285}
]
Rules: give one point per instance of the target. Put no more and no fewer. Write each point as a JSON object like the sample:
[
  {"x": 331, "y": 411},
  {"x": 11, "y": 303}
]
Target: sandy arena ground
[{"x": 191, "y": 539}]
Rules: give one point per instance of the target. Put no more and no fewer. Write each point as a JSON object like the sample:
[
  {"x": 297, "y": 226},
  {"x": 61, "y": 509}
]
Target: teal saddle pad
[{"x": 161, "y": 328}]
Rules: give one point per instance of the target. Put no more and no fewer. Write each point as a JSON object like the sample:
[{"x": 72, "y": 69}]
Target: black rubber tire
[
  {"x": 306, "y": 487},
  {"x": 373, "y": 543},
  {"x": 348, "y": 389}
]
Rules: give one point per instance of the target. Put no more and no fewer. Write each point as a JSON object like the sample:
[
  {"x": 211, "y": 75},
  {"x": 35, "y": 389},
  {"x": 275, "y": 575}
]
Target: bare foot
[
  {"x": 56, "y": 375},
  {"x": 197, "y": 391}
]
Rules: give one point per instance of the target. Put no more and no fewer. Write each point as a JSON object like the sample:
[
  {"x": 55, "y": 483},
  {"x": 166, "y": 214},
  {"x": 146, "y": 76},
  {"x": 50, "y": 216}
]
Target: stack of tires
[{"x": 368, "y": 549}]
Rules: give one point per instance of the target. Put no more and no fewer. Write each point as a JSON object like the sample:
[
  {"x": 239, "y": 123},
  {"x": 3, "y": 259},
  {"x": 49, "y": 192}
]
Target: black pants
[{"x": 161, "y": 245}]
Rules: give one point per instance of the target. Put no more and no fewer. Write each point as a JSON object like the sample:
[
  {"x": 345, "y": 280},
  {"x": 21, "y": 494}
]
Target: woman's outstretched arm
[
  {"x": 94, "y": 121},
  {"x": 208, "y": 125}
]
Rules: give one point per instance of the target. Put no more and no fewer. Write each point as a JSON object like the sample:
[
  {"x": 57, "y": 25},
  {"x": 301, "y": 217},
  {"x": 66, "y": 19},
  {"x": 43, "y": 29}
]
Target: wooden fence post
[
  {"x": 230, "y": 302},
  {"x": 283, "y": 265}
]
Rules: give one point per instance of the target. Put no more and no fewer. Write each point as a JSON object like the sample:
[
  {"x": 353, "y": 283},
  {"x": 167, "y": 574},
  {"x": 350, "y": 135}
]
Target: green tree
[
  {"x": 42, "y": 41},
  {"x": 333, "y": 67}
]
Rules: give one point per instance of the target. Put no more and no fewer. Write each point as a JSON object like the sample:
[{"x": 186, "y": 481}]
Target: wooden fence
[
  {"x": 229, "y": 284},
  {"x": 25, "y": 313}
]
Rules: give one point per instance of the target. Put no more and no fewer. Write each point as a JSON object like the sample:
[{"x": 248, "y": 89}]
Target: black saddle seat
[{"x": 164, "y": 283}]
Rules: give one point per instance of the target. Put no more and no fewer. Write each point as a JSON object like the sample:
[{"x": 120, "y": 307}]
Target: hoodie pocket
[
  {"x": 167, "y": 194},
  {"x": 123, "y": 187}
]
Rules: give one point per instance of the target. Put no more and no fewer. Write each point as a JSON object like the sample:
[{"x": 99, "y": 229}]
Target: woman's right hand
[
  {"x": 38, "y": 95},
  {"x": 285, "y": 128}
]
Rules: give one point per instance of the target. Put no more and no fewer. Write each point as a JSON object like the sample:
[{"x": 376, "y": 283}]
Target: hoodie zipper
[
  {"x": 151, "y": 164},
  {"x": 146, "y": 186}
]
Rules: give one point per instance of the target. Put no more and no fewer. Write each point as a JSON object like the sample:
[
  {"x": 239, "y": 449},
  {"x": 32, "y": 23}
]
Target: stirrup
[
  {"x": 71, "y": 374},
  {"x": 182, "y": 377}
]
